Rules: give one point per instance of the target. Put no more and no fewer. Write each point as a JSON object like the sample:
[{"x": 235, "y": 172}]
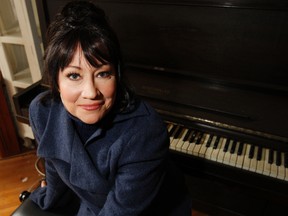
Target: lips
[{"x": 91, "y": 107}]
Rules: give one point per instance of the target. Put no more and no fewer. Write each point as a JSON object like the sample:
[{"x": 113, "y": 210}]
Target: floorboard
[{"x": 16, "y": 175}]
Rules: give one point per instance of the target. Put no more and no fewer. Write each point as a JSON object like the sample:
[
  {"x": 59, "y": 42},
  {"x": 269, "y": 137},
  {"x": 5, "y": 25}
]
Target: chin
[
  {"x": 92, "y": 117},
  {"x": 90, "y": 121}
]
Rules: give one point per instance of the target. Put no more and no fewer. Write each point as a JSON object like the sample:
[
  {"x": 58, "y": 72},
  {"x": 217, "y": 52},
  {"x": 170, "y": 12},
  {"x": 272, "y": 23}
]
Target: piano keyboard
[{"x": 228, "y": 151}]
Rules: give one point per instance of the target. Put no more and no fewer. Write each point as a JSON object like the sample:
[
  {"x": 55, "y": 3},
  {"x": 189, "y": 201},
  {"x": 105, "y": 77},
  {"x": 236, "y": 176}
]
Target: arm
[{"x": 56, "y": 194}]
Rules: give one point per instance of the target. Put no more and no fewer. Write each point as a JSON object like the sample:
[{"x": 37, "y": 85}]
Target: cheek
[
  {"x": 68, "y": 93},
  {"x": 107, "y": 88},
  {"x": 110, "y": 92}
]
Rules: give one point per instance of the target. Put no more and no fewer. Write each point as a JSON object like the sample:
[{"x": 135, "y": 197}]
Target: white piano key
[
  {"x": 185, "y": 146},
  {"x": 181, "y": 142},
  {"x": 198, "y": 146},
  {"x": 281, "y": 168},
  {"x": 203, "y": 146},
  {"x": 253, "y": 161},
  {"x": 172, "y": 127},
  {"x": 175, "y": 140},
  {"x": 227, "y": 155},
  {"x": 274, "y": 167},
  {"x": 286, "y": 174},
  {"x": 246, "y": 161},
  {"x": 186, "y": 143},
  {"x": 190, "y": 148},
  {"x": 215, "y": 151},
  {"x": 260, "y": 163},
  {"x": 233, "y": 158},
  {"x": 240, "y": 158},
  {"x": 191, "y": 144},
  {"x": 267, "y": 166},
  {"x": 209, "y": 150},
  {"x": 221, "y": 153}
]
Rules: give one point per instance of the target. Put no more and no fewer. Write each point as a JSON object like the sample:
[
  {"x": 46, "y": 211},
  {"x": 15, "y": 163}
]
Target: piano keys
[
  {"x": 226, "y": 150},
  {"x": 230, "y": 173}
]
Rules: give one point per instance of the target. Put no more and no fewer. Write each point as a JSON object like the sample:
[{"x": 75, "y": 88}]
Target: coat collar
[{"x": 59, "y": 138}]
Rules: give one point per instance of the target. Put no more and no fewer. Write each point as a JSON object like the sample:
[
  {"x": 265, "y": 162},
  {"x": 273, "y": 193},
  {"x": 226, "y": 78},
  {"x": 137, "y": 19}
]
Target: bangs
[
  {"x": 94, "y": 49},
  {"x": 96, "y": 52}
]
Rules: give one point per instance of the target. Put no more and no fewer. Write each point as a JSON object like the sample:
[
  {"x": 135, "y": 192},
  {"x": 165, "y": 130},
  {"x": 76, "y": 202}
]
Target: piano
[{"x": 217, "y": 72}]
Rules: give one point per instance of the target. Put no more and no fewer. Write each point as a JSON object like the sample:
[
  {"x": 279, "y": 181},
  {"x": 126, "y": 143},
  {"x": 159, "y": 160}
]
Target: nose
[{"x": 89, "y": 90}]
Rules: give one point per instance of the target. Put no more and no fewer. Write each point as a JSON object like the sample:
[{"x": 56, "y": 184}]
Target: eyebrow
[
  {"x": 79, "y": 68},
  {"x": 72, "y": 66}
]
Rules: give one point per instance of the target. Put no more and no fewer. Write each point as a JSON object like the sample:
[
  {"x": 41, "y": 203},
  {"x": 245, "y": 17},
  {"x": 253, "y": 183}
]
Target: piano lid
[{"x": 225, "y": 61}]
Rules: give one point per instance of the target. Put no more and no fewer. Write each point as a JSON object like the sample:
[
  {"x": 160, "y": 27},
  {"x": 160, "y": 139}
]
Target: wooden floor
[{"x": 17, "y": 174}]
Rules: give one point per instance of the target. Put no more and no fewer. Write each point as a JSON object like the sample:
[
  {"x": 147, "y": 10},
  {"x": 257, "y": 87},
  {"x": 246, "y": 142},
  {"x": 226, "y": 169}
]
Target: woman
[{"x": 105, "y": 151}]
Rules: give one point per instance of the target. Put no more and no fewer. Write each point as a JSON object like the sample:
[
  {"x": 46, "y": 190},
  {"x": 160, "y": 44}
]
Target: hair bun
[{"x": 76, "y": 14}]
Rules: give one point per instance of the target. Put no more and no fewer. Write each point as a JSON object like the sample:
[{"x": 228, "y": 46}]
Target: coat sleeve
[
  {"x": 140, "y": 173},
  {"x": 56, "y": 195}
]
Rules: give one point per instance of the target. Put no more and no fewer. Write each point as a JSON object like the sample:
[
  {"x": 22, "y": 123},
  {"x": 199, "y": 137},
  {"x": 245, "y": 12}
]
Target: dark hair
[{"x": 83, "y": 23}]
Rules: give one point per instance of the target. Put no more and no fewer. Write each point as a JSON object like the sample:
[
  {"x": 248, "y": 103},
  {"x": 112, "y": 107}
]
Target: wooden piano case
[
  {"x": 9, "y": 142},
  {"x": 23, "y": 99}
]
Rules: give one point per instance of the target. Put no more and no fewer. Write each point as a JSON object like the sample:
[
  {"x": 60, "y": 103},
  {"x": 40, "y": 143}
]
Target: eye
[
  {"x": 73, "y": 76},
  {"x": 104, "y": 74}
]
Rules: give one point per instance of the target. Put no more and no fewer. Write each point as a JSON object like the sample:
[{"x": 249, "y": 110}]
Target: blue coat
[{"x": 120, "y": 170}]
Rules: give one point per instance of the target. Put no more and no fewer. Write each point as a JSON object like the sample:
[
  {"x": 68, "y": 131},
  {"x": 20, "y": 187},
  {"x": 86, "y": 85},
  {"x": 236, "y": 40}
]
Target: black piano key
[
  {"x": 259, "y": 153},
  {"x": 251, "y": 152},
  {"x": 192, "y": 136},
  {"x": 271, "y": 156},
  {"x": 286, "y": 159},
  {"x": 216, "y": 142},
  {"x": 201, "y": 141},
  {"x": 240, "y": 149},
  {"x": 233, "y": 147},
  {"x": 177, "y": 132},
  {"x": 226, "y": 146},
  {"x": 171, "y": 132},
  {"x": 195, "y": 137},
  {"x": 198, "y": 138},
  {"x": 278, "y": 158},
  {"x": 209, "y": 141},
  {"x": 187, "y": 135}
]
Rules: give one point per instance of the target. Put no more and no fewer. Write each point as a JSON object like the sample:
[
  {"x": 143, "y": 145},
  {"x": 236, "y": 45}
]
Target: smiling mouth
[{"x": 91, "y": 107}]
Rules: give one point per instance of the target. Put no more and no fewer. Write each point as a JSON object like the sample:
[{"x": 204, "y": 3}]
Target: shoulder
[
  {"x": 39, "y": 106},
  {"x": 139, "y": 115},
  {"x": 41, "y": 100},
  {"x": 149, "y": 116},
  {"x": 145, "y": 134},
  {"x": 40, "y": 110},
  {"x": 146, "y": 124}
]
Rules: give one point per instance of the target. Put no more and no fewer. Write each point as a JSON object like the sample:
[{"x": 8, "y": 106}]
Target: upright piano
[{"x": 217, "y": 71}]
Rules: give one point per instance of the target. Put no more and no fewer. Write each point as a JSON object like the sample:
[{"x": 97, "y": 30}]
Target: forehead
[{"x": 79, "y": 60}]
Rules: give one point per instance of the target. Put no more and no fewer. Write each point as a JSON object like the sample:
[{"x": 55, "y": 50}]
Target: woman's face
[{"x": 87, "y": 93}]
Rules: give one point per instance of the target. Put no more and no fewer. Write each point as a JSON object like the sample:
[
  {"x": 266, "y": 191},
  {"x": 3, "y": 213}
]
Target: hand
[{"x": 43, "y": 183}]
